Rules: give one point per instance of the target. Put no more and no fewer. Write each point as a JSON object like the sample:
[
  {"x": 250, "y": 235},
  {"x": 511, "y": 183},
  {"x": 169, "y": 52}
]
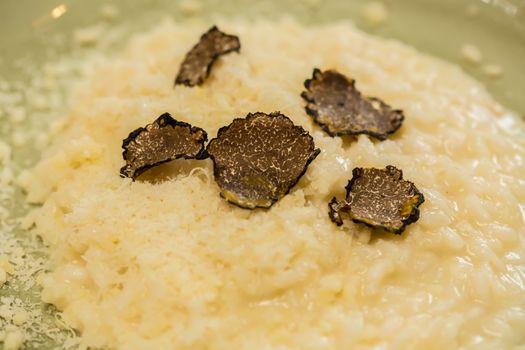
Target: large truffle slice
[
  {"x": 159, "y": 142},
  {"x": 198, "y": 61},
  {"x": 379, "y": 198},
  {"x": 258, "y": 159},
  {"x": 338, "y": 107}
]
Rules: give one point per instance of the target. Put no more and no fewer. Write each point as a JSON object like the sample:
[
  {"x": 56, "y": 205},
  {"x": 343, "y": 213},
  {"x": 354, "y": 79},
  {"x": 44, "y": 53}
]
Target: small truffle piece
[
  {"x": 339, "y": 108},
  {"x": 258, "y": 159},
  {"x": 198, "y": 61},
  {"x": 163, "y": 140},
  {"x": 379, "y": 198}
]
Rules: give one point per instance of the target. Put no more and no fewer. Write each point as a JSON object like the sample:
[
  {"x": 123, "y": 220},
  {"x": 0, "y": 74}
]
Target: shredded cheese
[
  {"x": 375, "y": 13},
  {"x": 471, "y": 54},
  {"x": 493, "y": 71},
  {"x": 164, "y": 262}
]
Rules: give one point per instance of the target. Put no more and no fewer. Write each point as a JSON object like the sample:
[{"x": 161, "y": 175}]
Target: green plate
[{"x": 32, "y": 33}]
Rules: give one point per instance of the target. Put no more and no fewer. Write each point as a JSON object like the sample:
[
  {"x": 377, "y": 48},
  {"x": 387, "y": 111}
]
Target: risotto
[{"x": 164, "y": 262}]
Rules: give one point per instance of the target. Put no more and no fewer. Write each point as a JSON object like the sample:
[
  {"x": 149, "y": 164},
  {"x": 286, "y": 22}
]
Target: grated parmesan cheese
[
  {"x": 13, "y": 340},
  {"x": 471, "y": 54},
  {"x": 375, "y": 13},
  {"x": 3, "y": 277},
  {"x": 20, "y": 317},
  {"x": 164, "y": 262},
  {"x": 5, "y": 153},
  {"x": 493, "y": 71},
  {"x": 109, "y": 12},
  {"x": 19, "y": 138},
  {"x": 17, "y": 115},
  {"x": 88, "y": 36},
  {"x": 190, "y": 7},
  {"x": 27, "y": 108},
  {"x": 6, "y": 265}
]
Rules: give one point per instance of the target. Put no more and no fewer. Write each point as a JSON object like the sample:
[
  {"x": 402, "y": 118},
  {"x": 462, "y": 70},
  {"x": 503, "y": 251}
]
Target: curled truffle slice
[
  {"x": 258, "y": 159},
  {"x": 379, "y": 198},
  {"x": 198, "y": 61},
  {"x": 338, "y": 107},
  {"x": 159, "y": 142}
]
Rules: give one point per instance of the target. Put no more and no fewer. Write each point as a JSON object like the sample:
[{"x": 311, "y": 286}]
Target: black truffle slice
[
  {"x": 198, "y": 62},
  {"x": 258, "y": 159},
  {"x": 379, "y": 198},
  {"x": 159, "y": 142},
  {"x": 338, "y": 107}
]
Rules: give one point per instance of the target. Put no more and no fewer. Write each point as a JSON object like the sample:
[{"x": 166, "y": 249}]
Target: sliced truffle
[
  {"x": 159, "y": 142},
  {"x": 379, "y": 198},
  {"x": 198, "y": 61},
  {"x": 258, "y": 159},
  {"x": 338, "y": 107}
]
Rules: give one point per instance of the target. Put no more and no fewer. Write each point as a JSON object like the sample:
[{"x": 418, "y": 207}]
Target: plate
[{"x": 32, "y": 35}]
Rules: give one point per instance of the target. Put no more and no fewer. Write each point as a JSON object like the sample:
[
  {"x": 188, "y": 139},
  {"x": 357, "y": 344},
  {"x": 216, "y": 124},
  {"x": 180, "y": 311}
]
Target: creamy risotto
[{"x": 164, "y": 262}]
